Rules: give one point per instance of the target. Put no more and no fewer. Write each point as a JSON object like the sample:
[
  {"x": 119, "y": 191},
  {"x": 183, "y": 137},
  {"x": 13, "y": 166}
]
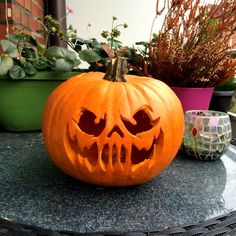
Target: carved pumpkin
[{"x": 113, "y": 133}]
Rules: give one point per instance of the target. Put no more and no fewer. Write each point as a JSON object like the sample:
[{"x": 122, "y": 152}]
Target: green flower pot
[{"x": 22, "y": 101}]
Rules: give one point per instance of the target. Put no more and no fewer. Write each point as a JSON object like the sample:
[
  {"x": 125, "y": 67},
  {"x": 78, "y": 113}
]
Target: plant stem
[
  {"x": 112, "y": 25},
  {"x": 116, "y": 70}
]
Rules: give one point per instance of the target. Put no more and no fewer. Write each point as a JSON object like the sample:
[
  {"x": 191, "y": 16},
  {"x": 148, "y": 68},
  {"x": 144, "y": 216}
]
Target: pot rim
[
  {"x": 43, "y": 75},
  {"x": 224, "y": 93},
  {"x": 207, "y": 113},
  {"x": 232, "y": 115}
]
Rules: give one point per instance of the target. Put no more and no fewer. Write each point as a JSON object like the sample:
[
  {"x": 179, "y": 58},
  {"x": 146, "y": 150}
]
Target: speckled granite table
[{"x": 34, "y": 191}]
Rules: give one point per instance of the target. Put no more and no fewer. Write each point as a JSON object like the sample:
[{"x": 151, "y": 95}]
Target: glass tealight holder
[{"x": 207, "y": 134}]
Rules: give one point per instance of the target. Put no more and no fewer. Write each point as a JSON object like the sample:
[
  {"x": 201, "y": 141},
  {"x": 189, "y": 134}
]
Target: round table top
[{"x": 34, "y": 191}]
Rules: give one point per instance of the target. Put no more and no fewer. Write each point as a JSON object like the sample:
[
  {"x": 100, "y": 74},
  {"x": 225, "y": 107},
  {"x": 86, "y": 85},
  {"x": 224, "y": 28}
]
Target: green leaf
[
  {"x": 29, "y": 69},
  {"x": 230, "y": 85},
  {"x": 29, "y": 53},
  {"x": 55, "y": 52},
  {"x": 17, "y": 72},
  {"x": 30, "y": 39},
  {"x": 95, "y": 67},
  {"x": 81, "y": 41},
  {"x": 64, "y": 65},
  {"x": 104, "y": 61},
  {"x": 59, "y": 52},
  {"x": 129, "y": 53},
  {"x": 6, "y": 63},
  {"x": 41, "y": 64},
  {"x": 71, "y": 55},
  {"x": 94, "y": 43},
  {"x": 117, "y": 44},
  {"x": 77, "y": 48},
  {"x": 41, "y": 49},
  {"x": 77, "y": 62},
  {"x": 142, "y": 43},
  {"x": 13, "y": 37},
  {"x": 9, "y": 48},
  {"x": 89, "y": 56}
]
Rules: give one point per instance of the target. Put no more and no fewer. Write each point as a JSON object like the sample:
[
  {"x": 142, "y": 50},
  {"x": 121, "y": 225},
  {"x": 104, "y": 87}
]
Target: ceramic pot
[
  {"x": 22, "y": 101},
  {"x": 194, "y": 98},
  {"x": 221, "y": 100},
  {"x": 233, "y": 123}
]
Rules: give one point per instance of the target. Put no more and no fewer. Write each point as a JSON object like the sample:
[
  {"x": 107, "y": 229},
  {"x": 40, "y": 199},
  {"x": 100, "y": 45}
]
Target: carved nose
[{"x": 117, "y": 130}]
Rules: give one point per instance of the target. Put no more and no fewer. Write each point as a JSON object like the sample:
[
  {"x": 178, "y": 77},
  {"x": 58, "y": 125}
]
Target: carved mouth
[
  {"x": 114, "y": 155},
  {"x": 111, "y": 157}
]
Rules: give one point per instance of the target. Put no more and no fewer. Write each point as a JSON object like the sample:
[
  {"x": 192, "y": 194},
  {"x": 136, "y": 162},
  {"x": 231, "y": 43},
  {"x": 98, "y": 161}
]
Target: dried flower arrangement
[{"x": 191, "y": 48}]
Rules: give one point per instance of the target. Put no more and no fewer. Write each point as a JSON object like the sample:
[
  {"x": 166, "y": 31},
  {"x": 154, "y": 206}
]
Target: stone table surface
[{"x": 34, "y": 191}]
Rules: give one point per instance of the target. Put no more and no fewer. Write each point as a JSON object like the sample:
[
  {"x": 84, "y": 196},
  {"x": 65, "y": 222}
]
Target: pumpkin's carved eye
[
  {"x": 87, "y": 123},
  {"x": 143, "y": 124}
]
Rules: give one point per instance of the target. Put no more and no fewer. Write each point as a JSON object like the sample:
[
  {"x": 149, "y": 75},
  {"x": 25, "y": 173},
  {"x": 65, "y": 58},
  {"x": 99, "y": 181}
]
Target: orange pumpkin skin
[{"x": 112, "y": 133}]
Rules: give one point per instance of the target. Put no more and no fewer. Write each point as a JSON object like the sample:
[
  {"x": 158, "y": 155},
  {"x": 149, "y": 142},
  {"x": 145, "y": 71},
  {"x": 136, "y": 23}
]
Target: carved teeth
[{"x": 112, "y": 156}]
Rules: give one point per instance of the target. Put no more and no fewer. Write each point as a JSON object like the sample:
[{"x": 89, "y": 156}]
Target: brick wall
[
  {"x": 22, "y": 13},
  {"x": 3, "y": 17}
]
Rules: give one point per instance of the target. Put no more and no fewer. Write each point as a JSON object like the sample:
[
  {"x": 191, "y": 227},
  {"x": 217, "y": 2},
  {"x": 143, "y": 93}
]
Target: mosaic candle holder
[{"x": 207, "y": 134}]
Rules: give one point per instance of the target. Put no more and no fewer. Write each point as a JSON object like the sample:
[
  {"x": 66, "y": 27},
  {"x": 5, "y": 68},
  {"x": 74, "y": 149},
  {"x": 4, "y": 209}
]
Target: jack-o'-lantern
[{"x": 113, "y": 129}]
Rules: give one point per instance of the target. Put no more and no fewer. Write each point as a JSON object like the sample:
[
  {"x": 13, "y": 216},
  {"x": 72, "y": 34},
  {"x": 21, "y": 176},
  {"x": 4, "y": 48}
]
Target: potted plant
[
  {"x": 189, "y": 51},
  {"x": 224, "y": 92},
  {"x": 29, "y": 71},
  {"x": 223, "y": 95}
]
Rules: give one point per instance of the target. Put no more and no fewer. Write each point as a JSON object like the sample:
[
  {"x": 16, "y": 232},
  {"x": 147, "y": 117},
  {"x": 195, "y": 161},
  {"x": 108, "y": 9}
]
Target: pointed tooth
[
  {"x": 127, "y": 166},
  {"x": 110, "y": 156},
  {"x": 100, "y": 164},
  {"x": 88, "y": 165},
  {"x": 148, "y": 147},
  {"x": 80, "y": 160},
  {"x": 118, "y": 165},
  {"x": 72, "y": 130}
]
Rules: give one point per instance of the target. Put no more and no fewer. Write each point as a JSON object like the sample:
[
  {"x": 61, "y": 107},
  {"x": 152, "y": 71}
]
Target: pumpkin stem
[{"x": 116, "y": 70}]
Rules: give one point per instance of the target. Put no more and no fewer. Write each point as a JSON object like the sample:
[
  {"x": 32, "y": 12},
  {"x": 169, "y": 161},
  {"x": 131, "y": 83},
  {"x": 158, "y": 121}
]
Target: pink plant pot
[{"x": 194, "y": 98}]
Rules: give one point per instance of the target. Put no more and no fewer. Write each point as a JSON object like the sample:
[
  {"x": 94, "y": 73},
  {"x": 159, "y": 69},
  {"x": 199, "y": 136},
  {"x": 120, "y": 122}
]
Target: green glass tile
[{"x": 220, "y": 129}]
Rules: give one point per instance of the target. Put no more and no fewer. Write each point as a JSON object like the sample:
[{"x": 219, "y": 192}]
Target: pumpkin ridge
[
  {"x": 139, "y": 96},
  {"x": 125, "y": 110},
  {"x": 67, "y": 95},
  {"x": 54, "y": 106},
  {"x": 156, "y": 91},
  {"x": 84, "y": 96}
]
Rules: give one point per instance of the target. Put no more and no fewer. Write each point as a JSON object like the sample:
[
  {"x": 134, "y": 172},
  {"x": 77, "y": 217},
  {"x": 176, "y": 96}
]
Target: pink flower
[{"x": 70, "y": 10}]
